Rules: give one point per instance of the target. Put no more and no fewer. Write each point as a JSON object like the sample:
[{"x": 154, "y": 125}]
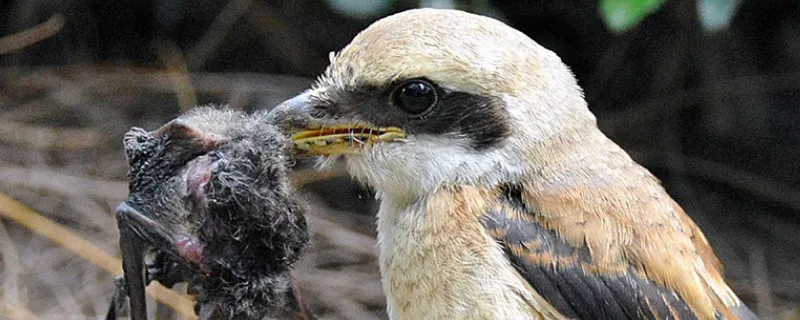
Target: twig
[
  {"x": 338, "y": 234},
  {"x": 197, "y": 55},
  {"x": 304, "y": 174},
  {"x": 62, "y": 294},
  {"x": 658, "y": 108},
  {"x": 304, "y": 177},
  {"x": 343, "y": 237},
  {"x": 111, "y": 80},
  {"x": 613, "y": 56},
  {"x": 32, "y": 35},
  {"x": 760, "y": 276},
  {"x": 736, "y": 178},
  {"x": 178, "y": 74},
  {"x": 42, "y": 137},
  {"x": 359, "y": 286},
  {"x": 288, "y": 42},
  {"x": 19, "y": 213},
  {"x": 17, "y": 312},
  {"x": 92, "y": 213},
  {"x": 783, "y": 230},
  {"x": 12, "y": 268},
  {"x": 90, "y": 291},
  {"x": 346, "y": 308},
  {"x": 42, "y": 178}
]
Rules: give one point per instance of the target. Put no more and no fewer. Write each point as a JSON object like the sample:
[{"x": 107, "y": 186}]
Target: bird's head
[{"x": 430, "y": 97}]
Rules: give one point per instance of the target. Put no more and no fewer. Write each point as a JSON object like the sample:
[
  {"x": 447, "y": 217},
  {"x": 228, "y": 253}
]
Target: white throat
[{"x": 425, "y": 163}]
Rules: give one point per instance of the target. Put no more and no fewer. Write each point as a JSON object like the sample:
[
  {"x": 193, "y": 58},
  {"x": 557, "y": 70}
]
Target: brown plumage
[{"x": 500, "y": 197}]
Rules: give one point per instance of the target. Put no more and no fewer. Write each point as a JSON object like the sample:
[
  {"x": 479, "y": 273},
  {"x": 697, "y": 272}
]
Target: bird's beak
[{"x": 313, "y": 134}]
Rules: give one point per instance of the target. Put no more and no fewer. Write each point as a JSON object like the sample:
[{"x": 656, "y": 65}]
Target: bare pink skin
[
  {"x": 197, "y": 177},
  {"x": 190, "y": 249}
]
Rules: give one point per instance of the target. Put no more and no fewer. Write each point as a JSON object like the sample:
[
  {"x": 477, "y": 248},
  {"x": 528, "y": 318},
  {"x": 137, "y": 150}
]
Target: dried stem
[
  {"x": 32, "y": 35},
  {"x": 19, "y": 213}
]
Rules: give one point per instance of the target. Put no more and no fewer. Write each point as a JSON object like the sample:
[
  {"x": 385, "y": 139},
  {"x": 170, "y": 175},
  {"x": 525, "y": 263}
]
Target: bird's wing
[{"x": 578, "y": 282}]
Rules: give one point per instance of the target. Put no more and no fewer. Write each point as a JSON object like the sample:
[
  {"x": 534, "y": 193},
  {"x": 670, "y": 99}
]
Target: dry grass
[{"x": 60, "y": 154}]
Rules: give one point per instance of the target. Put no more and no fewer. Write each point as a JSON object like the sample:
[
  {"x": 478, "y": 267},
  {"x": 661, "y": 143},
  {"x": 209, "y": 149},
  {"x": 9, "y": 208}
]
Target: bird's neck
[
  {"x": 583, "y": 158},
  {"x": 436, "y": 261}
]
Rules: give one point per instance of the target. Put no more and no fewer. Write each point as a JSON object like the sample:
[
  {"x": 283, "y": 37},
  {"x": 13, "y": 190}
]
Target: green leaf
[
  {"x": 361, "y": 9},
  {"x": 622, "y": 15},
  {"x": 716, "y": 15}
]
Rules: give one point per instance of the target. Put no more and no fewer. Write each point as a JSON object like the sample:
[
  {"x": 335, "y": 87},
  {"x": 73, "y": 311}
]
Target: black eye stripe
[{"x": 483, "y": 119}]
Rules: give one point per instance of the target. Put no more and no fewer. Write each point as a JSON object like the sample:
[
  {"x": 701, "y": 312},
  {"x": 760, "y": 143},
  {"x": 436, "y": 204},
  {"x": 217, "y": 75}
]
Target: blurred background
[{"x": 704, "y": 93}]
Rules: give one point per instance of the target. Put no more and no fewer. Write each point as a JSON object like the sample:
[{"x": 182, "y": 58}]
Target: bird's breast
[{"x": 437, "y": 262}]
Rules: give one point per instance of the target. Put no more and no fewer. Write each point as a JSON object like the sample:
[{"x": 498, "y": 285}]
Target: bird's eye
[{"x": 415, "y": 97}]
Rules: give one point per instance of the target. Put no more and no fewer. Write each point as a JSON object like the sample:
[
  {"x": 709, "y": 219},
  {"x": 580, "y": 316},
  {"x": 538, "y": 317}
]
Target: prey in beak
[
  {"x": 210, "y": 204},
  {"x": 148, "y": 223}
]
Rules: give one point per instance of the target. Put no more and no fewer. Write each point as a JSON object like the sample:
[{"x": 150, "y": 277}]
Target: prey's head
[{"x": 429, "y": 97}]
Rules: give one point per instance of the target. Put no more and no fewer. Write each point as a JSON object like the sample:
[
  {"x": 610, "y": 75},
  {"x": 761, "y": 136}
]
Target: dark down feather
[{"x": 216, "y": 181}]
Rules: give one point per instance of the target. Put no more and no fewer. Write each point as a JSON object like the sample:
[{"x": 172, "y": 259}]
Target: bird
[
  {"x": 210, "y": 195},
  {"x": 500, "y": 198}
]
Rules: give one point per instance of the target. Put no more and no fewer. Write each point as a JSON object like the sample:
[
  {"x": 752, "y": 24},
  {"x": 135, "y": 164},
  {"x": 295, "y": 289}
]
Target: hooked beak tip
[{"x": 294, "y": 112}]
